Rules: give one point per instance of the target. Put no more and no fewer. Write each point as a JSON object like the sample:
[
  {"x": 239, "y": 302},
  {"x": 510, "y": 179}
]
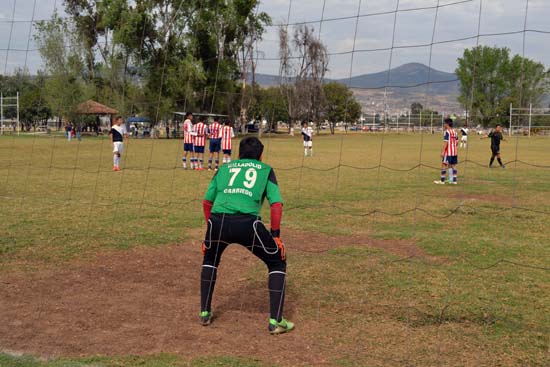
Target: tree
[
  {"x": 313, "y": 65},
  {"x": 490, "y": 80},
  {"x": 416, "y": 108},
  {"x": 286, "y": 71},
  {"x": 303, "y": 65},
  {"x": 156, "y": 56},
  {"x": 32, "y": 106},
  {"x": 62, "y": 54},
  {"x": 248, "y": 25},
  {"x": 530, "y": 81},
  {"x": 268, "y": 104},
  {"x": 340, "y": 104}
]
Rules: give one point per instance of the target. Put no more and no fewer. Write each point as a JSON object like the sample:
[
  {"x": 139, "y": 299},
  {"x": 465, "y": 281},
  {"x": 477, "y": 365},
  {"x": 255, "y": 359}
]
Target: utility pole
[
  {"x": 1, "y": 114},
  {"x": 510, "y": 129},
  {"x": 18, "y": 124},
  {"x": 530, "y": 117}
]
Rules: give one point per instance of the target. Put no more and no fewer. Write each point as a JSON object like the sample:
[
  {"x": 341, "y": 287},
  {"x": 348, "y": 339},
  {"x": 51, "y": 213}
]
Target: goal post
[
  {"x": 529, "y": 121},
  {"x": 8, "y": 103}
]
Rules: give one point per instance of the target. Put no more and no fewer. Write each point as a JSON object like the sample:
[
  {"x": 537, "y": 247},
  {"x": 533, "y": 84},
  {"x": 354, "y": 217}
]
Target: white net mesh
[{"x": 377, "y": 251}]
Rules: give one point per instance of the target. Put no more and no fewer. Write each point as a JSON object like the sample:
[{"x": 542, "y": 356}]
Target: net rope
[{"x": 98, "y": 202}]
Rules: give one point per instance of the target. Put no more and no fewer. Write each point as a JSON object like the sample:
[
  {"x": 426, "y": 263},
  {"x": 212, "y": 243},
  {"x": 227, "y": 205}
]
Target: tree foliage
[
  {"x": 341, "y": 105},
  {"x": 62, "y": 53},
  {"x": 338, "y": 105},
  {"x": 33, "y": 109},
  {"x": 269, "y": 105},
  {"x": 150, "y": 57},
  {"x": 490, "y": 79},
  {"x": 303, "y": 65},
  {"x": 416, "y": 108}
]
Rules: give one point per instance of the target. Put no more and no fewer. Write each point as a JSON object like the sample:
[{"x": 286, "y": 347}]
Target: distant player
[
  {"x": 449, "y": 154},
  {"x": 215, "y": 143},
  {"x": 199, "y": 141},
  {"x": 226, "y": 134},
  {"x": 188, "y": 140},
  {"x": 464, "y": 138},
  {"x": 496, "y": 137},
  {"x": 69, "y": 132},
  {"x": 307, "y": 135},
  {"x": 118, "y": 133},
  {"x": 231, "y": 208}
]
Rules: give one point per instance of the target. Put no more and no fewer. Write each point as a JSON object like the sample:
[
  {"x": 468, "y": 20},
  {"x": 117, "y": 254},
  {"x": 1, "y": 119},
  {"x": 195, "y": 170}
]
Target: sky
[{"x": 455, "y": 19}]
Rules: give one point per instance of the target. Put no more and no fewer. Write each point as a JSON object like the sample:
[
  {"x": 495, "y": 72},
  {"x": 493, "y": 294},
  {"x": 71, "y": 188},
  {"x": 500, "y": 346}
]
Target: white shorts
[
  {"x": 118, "y": 147},
  {"x": 464, "y": 138},
  {"x": 308, "y": 144}
]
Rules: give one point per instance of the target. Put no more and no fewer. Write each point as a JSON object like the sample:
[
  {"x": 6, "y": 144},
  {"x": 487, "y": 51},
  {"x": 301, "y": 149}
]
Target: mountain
[
  {"x": 407, "y": 83},
  {"x": 266, "y": 80},
  {"x": 407, "y": 76}
]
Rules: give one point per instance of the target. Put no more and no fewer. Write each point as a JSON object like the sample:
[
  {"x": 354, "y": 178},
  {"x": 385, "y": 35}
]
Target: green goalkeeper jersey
[{"x": 240, "y": 187}]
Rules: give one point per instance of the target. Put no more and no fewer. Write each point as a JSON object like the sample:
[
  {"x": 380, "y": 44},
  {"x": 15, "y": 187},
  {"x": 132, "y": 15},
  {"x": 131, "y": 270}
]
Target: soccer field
[{"x": 101, "y": 268}]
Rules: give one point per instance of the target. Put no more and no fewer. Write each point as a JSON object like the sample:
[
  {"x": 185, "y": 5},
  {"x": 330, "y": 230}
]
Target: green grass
[{"x": 60, "y": 201}]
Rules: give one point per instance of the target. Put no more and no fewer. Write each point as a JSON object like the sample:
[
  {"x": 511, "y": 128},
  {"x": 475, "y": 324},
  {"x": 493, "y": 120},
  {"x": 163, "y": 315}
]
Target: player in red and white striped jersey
[
  {"x": 199, "y": 141},
  {"x": 449, "y": 154},
  {"x": 215, "y": 143},
  {"x": 226, "y": 134},
  {"x": 188, "y": 140}
]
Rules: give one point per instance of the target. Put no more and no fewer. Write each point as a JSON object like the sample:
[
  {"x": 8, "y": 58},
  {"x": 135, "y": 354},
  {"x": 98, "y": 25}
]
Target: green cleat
[
  {"x": 206, "y": 318},
  {"x": 280, "y": 327}
]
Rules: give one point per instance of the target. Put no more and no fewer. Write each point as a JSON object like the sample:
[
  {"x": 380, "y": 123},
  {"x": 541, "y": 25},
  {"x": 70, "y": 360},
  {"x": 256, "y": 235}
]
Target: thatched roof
[{"x": 94, "y": 108}]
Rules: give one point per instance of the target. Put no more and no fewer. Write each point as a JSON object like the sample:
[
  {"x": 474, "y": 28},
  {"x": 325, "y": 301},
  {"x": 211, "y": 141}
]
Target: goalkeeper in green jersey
[{"x": 231, "y": 208}]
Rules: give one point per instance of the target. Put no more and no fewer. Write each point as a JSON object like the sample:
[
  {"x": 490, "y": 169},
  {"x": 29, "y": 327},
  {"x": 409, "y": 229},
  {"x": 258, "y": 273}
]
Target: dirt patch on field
[
  {"x": 146, "y": 301},
  {"x": 404, "y": 249},
  {"x": 318, "y": 243},
  {"x": 499, "y": 199},
  {"x": 141, "y": 301}
]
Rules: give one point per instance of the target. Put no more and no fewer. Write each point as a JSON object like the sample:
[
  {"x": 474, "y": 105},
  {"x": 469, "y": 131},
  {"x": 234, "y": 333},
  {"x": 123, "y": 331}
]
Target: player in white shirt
[
  {"x": 464, "y": 139},
  {"x": 307, "y": 134},
  {"x": 226, "y": 134},
  {"x": 188, "y": 139},
  {"x": 199, "y": 141},
  {"x": 118, "y": 134}
]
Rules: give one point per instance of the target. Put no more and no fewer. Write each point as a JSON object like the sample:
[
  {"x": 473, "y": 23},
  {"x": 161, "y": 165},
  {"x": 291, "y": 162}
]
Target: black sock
[
  {"x": 276, "y": 285},
  {"x": 499, "y": 161},
  {"x": 492, "y": 160},
  {"x": 208, "y": 281}
]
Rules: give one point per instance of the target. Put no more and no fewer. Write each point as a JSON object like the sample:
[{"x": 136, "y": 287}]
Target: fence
[
  {"x": 529, "y": 120},
  {"x": 9, "y": 103}
]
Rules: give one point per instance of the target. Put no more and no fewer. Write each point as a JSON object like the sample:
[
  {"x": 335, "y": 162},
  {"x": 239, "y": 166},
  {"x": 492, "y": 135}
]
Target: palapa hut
[{"x": 103, "y": 115}]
